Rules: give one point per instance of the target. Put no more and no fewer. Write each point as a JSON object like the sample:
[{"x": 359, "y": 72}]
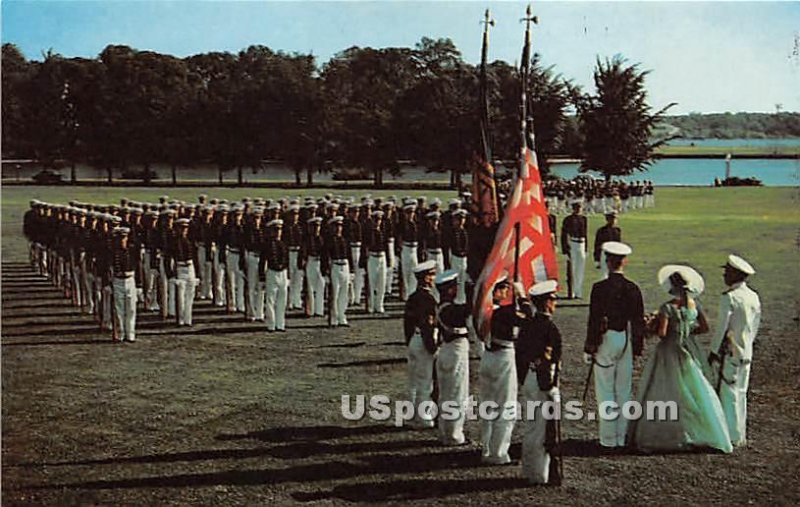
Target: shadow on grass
[
  {"x": 369, "y": 362},
  {"x": 296, "y": 450},
  {"x": 63, "y": 342},
  {"x": 338, "y": 346},
  {"x": 332, "y": 470},
  {"x": 410, "y": 489},
  {"x": 306, "y": 433}
]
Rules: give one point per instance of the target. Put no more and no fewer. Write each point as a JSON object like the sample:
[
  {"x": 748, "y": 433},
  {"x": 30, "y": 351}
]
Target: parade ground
[{"x": 225, "y": 413}]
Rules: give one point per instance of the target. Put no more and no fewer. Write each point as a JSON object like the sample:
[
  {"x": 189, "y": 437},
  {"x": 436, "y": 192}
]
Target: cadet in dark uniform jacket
[
  {"x": 419, "y": 325},
  {"x": 574, "y": 246},
  {"x": 615, "y": 333},
  {"x": 608, "y": 232},
  {"x": 337, "y": 264},
  {"x": 275, "y": 257},
  {"x": 538, "y": 369}
]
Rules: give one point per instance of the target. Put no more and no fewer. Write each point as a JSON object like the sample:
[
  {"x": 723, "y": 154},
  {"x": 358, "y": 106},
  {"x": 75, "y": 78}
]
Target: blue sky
[{"x": 707, "y": 56}]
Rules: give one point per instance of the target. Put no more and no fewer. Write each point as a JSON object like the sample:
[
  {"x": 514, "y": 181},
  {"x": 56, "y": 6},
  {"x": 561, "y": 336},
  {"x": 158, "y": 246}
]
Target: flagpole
[
  {"x": 524, "y": 71},
  {"x": 484, "y": 92}
]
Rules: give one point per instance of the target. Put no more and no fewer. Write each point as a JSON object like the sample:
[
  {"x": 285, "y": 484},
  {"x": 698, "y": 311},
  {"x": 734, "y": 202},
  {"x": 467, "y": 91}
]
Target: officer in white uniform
[
  {"x": 739, "y": 320},
  {"x": 615, "y": 334},
  {"x": 124, "y": 266}
]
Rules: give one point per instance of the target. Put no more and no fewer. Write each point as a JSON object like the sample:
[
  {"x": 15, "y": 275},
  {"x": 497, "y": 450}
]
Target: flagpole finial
[
  {"x": 529, "y": 17},
  {"x": 487, "y": 19}
]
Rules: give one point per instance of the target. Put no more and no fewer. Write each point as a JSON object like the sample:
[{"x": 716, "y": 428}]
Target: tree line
[
  {"x": 364, "y": 110},
  {"x": 737, "y": 125}
]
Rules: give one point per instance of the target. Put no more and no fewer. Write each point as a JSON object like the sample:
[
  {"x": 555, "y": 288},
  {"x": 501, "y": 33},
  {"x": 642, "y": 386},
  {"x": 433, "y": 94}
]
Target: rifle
[{"x": 553, "y": 443}]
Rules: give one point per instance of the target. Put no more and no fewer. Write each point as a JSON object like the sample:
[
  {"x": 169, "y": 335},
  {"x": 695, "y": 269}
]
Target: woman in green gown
[{"x": 672, "y": 375}]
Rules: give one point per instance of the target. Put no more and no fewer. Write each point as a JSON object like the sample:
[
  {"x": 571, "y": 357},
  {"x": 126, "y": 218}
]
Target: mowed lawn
[{"x": 224, "y": 413}]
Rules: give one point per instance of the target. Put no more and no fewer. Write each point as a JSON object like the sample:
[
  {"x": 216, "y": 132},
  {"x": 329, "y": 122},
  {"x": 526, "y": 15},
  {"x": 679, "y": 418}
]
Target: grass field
[{"x": 224, "y": 413}]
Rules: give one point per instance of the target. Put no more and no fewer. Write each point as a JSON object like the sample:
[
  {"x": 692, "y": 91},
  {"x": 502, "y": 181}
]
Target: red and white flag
[{"x": 537, "y": 258}]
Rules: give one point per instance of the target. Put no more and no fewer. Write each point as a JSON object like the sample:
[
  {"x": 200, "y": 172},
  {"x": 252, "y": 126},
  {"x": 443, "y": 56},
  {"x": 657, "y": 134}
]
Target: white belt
[
  {"x": 378, "y": 254},
  {"x": 126, "y": 274},
  {"x": 340, "y": 262},
  {"x": 503, "y": 343},
  {"x": 184, "y": 263},
  {"x": 460, "y": 330},
  {"x": 234, "y": 250},
  {"x": 435, "y": 250},
  {"x": 294, "y": 248},
  {"x": 411, "y": 244},
  {"x": 577, "y": 240},
  {"x": 355, "y": 244}
]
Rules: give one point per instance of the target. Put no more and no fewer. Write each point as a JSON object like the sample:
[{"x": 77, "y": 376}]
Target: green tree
[{"x": 616, "y": 124}]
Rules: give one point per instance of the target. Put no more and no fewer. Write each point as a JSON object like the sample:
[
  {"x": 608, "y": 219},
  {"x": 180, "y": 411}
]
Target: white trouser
[
  {"x": 296, "y": 276},
  {"x": 498, "y": 384},
  {"x": 125, "y": 307},
  {"x": 420, "y": 380},
  {"x": 408, "y": 259},
  {"x": 97, "y": 288},
  {"x": 452, "y": 374},
  {"x": 613, "y": 369},
  {"x": 91, "y": 293},
  {"x": 535, "y": 458},
  {"x": 277, "y": 287},
  {"x": 77, "y": 278},
  {"x": 235, "y": 280},
  {"x": 316, "y": 286},
  {"x": 166, "y": 289},
  {"x": 149, "y": 281},
  {"x": 218, "y": 271},
  {"x": 204, "y": 268},
  {"x": 577, "y": 257},
  {"x": 255, "y": 290},
  {"x": 376, "y": 267},
  {"x": 436, "y": 255},
  {"x": 391, "y": 266},
  {"x": 107, "y": 295},
  {"x": 733, "y": 397},
  {"x": 358, "y": 279},
  {"x": 603, "y": 266},
  {"x": 460, "y": 265},
  {"x": 86, "y": 287},
  {"x": 340, "y": 278},
  {"x": 185, "y": 284}
]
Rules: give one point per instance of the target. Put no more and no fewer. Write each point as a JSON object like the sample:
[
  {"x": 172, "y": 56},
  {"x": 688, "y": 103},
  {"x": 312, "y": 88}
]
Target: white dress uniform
[
  {"x": 452, "y": 363},
  {"x": 377, "y": 246},
  {"x": 185, "y": 279},
  {"x": 337, "y": 251},
  {"x": 408, "y": 258},
  {"x": 739, "y": 320},
  {"x": 316, "y": 282}
]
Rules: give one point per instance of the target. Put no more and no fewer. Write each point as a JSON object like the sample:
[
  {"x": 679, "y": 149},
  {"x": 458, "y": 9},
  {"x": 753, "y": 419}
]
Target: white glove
[
  {"x": 519, "y": 289},
  {"x": 588, "y": 358},
  {"x": 555, "y": 394},
  {"x": 597, "y": 265}
]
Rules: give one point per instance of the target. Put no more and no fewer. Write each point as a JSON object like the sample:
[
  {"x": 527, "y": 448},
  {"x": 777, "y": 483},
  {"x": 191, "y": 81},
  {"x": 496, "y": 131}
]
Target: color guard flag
[{"x": 537, "y": 258}]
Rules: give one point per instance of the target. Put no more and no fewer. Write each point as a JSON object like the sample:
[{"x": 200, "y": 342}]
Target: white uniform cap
[
  {"x": 460, "y": 213},
  {"x": 377, "y": 213},
  {"x": 548, "y": 287},
  {"x": 336, "y": 220},
  {"x": 740, "y": 264},
  {"x": 455, "y": 202},
  {"x": 425, "y": 267},
  {"x": 410, "y": 207},
  {"x": 447, "y": 276},
  {"x": 274, "y": 206},
  {"x": 121, "y": 231},
  {"x": 617, "y": 248},
  {"x": 275, "y": 223},
  {"x": 433, "y": 214},
  {"x": 294, "y": 207},
  {"x": 436, "y": 201},
  {"x": 182, "y": 221},
  {"x": 314, "y": 220},
  {"x": 693, "y": 282}
]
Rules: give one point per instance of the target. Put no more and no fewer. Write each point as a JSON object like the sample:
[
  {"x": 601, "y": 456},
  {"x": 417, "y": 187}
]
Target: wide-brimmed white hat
[{"x": 694, "y": 282}]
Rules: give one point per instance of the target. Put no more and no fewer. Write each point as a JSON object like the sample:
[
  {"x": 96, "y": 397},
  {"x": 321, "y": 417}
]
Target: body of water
[
  {"x": 702, "y": 171},
  {"x": 791, "y": 141}
]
